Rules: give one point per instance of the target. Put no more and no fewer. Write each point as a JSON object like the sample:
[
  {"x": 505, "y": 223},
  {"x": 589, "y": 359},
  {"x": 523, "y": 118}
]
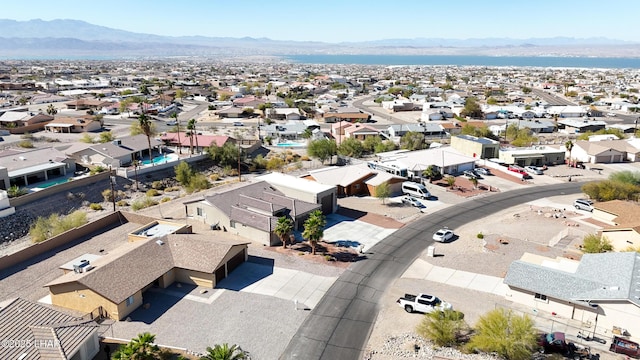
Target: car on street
[
  {"x": 412, "y": 201},
  {"x": 443, "y": 235},
  {"x": 533, "y": 170},
  {"x": 423, "y": 303},
  {"x": 482, "y": 171},
  {"x": 237, "y": 123},
  {"x": 172, "y": 123},
  {"x": 611, "y": 114}
]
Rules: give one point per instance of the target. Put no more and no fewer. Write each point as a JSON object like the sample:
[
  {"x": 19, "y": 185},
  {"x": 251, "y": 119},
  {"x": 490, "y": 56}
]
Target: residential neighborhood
[{"x": 213, "y": 194}]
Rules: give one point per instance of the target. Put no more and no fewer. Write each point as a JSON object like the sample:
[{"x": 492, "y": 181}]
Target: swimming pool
[
  {"x": 50, "y": 183},
  {"x": 161, "y": 159},
  {"x": 291, "y": 144}
]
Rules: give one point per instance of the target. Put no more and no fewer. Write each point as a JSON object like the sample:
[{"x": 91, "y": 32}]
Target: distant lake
[{"x": 461, "y": 60}]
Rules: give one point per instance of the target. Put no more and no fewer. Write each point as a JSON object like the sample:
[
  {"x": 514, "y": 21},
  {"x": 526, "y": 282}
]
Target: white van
[{"x": 415, "y": 189}]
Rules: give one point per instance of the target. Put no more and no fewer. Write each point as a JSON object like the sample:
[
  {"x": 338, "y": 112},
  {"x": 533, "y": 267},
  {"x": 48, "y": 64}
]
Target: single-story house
[
  {"x": 537, "y": 126},
  {"x": 283, "y": 113},
  {"x": 119, "y": 152},
  {"x": 581, "y": 290},
  {"x": 232, "y": 112},
  {"x": 536, "y": 155},
  {"x": 288, "y": 131},
  {"x": 198, "y": 142},
  {"x": 398, "y": 105},
  {"x": 446, "y": 159},
  {"x": 303, "y": 189},
  {"x": 427, "y": 129},
  {"x": 35, "y": 331},
  {"x": 86, "y": 104},
  {"x": 251, "y": 211},
  {"x": 19, "y": 122},
  {"x": 352, "y": 115},
  {"x": 479, "y": 148},
  {"x": 248, "y": 102},
  {"x": 623, "y": 218},
  {"x": 360, "y": 131},
  {"x": 23, "y": 168},
  {"x": 355, "y": 180},
  {"x": 571, "y": 126},
  {"x": 73, "y": 125},
  {"x": 606, "y": 151},
  {"x": 117, "y": 281}
]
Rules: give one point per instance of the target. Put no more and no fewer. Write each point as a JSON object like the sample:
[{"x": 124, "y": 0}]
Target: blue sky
[{"x": 347, "y": 20}]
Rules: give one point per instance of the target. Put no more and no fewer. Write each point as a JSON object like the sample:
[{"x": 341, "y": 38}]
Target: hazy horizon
[{"x": 335, "y": 21}]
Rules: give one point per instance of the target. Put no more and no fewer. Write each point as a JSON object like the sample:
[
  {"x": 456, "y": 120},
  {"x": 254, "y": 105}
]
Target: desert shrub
[
  {"x": 172, "y": 188},
  {"x": 305, "y": 158},
  {"x": 214, "y": 177},
  {"x": 198, "y": 182},
  {"x": 143, "y": 203},
  {"x": 444, "y": 328},
  {"x": 27, "y": 144},
  {"x": 480, "y": 235},
  {"x": 594, "y": 244},
  {"x": 95, "y": 206},
  {"x": 15, "y": 191},
  {"x": 98, "y": 169},
  {"x": 507, "y": 334},
  {"x": 152, "y": 192},
  {"x": 158, "y": 185},
  {"x": 47, "y": 227},
  {"x": 165, "y": 199},
  {"x": 122, "y": 203},
  {"x": 108, "y": 196}
]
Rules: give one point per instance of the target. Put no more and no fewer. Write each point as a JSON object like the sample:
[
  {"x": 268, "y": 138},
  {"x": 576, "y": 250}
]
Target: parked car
[
  {"x": 470, "y": 174},
  {"x": 482, "y": 171},
  {"x": 237, "y": 123},
  {"x": 423, "y": 303},
  {"x": 583, "y": 204},
  {"x": 412, "y": 201},
  {"x": 443, "y": 235},
  {"x": 623, "y": 346},
  {"x": 172, "y": 123},
  {"x": 533, "y": 170}
]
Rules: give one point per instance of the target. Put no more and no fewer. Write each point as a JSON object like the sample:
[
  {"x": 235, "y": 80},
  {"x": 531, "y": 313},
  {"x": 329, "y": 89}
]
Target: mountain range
[{"x": 57, "y": 38}]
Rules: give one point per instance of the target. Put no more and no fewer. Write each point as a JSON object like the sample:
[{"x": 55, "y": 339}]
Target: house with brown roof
[
  {"x": 73, "y": 125},
  {"x": 251, "y": 211},
  {"x": 198, "y": 142},
  {"x": 34, "y": 331},
  {"x": 623, "y": 219},
  {"x": 116, "y": 282},
  {"x": 20, "y": 122},
  {"x": 248, "y": 102},
  {"x": 348, "y": 114},
  {"x": 86, "y": 104},
  {"x": 119, "y": 152},
  {"x": 361, "y": 131},
  {"x": 606, "y": 151}
]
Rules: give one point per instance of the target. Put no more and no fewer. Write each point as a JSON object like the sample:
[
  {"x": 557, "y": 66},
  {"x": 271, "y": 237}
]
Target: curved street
[{"x": 340, "y": 325}]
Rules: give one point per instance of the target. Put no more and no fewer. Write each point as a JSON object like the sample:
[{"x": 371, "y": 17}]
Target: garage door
[
  {"x": 327, "y": 204},
  {"x": 235, "y": 261},
  {"x": 220, "y": 274}
]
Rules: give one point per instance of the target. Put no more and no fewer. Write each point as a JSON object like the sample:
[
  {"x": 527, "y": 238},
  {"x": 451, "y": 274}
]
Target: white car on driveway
[
  {"x": 443, "y": 235},
  {"x": 423, "y": 303}
]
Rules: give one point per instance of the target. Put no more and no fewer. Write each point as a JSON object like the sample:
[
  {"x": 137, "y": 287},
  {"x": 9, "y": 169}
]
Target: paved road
[
  {"x": 339, "y": 327},
  {"x": 551, "y": 98},
  {"x": 372, "y": 110}
]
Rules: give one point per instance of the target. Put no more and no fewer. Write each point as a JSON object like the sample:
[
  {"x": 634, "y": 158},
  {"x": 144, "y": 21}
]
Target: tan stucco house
[
  {"x": 116, "y": 282},
  {"x": 623, "y": 219}
]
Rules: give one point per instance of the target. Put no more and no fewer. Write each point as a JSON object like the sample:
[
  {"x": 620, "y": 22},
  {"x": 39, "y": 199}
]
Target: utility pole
[
  {"x": 239, "y": 153},
  {"x": 112, "y": 180}
]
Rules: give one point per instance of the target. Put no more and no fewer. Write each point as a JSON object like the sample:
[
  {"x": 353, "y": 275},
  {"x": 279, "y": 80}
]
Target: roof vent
[{"x": 159, "y": 242}]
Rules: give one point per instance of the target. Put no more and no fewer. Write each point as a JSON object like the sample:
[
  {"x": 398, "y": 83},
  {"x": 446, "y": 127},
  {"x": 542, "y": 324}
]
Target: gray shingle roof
[
  {"x": 59, "y": 335},
  {"x": 608, "y": 276}
]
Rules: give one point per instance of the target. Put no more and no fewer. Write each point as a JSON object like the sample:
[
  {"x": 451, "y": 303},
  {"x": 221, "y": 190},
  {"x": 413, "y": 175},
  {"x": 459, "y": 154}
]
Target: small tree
[
  {"x": 383, "y": 191},
  {"x": 594, "y": 244},
  {"x": 501, "y": 331},
  {"x": 314, "y": 229},
  {"x": 431, "y": 173},
  {"x": 474, "y": 181},
  {"x": 569, "y": 146},
  {"x": 184, "y": 173},
  {"x": 442, "y": 327},
  {"x": 322, "y": 149},
  {"x": 283, "y": 229},
  {"x": 451, "y": 181},
  {"x": 105, "y": 137}
]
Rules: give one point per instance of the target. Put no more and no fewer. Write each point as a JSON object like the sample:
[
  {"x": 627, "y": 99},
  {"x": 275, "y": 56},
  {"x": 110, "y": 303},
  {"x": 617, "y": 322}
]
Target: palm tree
[
  {"x": 283, "y": 229},
  {"x": 192, "y": 129},
  {"x": 431, "y": 172},
  {"x": 143, "y": 346},
  {"x": 314, "y": 229},
  {"x": 175, "y": 116},
  {"x": 124, "y": 352},
  {"x": 147, "y": 128},
  {"x": 51, "y": 110},
  {"x": 569, "y": 146},
  {"x": 224, "y": 352}
]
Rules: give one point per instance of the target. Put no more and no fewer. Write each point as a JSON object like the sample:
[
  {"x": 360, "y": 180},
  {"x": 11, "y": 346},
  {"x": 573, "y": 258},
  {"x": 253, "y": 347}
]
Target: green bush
[
  {"x": 95, "y": 206},
  {"x": 15, "y": 191},
  {"x": 98, "y": 169},
  {"x": 165, "y": 199},
  {"x": 47, "y": 227},
  {"x": 26, "y": 144},
  {"x": 480, "y": 235},
  {"x": 158, "y": 185},
  {"x": 122, "y": 203},
  {"x": 443, "y": 328},
  {"x": 594, "y": 244},
  {"x": 198, "y": 182},
  {"x": 143, "y": 203},
  {"x": 152, "y": 192}
]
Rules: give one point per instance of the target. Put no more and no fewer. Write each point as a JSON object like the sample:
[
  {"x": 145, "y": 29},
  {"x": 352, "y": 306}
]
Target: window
[
  {"x": 232, "y": 224},
  {"x": 199, "y": 211},
  {"x": 541, "y": 297},
  {"x": 130, "y": 300}
]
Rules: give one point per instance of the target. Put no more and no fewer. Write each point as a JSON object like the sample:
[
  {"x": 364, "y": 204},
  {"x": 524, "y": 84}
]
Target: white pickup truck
[{"x": 423, "y": 303}]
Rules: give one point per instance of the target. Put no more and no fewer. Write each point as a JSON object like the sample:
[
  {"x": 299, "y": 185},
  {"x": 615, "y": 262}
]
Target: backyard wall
[{"x": 67, "y": 186}]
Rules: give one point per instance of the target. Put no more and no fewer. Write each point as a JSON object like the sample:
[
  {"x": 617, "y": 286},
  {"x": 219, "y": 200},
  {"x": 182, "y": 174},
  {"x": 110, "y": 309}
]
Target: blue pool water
[
  {"x": 158, "y": 160},
  {"x": 50, "y": 183},
  {"x": 290, "y": 145}
]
